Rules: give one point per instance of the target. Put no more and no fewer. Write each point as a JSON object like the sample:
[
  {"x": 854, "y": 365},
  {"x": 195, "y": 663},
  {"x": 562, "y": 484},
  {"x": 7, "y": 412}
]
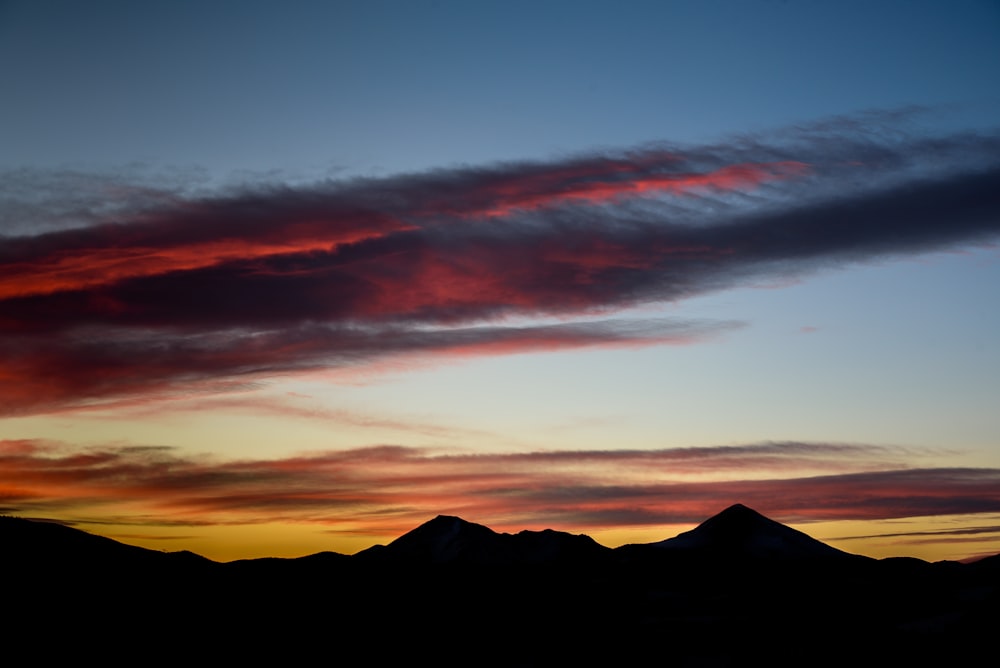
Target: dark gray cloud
[{"x": 266, "y": 279}]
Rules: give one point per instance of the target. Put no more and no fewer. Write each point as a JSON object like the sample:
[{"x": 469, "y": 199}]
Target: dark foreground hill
[{"x": 739, "y": 589}]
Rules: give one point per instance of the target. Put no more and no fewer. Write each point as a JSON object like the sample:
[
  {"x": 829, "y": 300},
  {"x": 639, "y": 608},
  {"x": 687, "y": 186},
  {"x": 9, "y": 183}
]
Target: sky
[{"x": 279, "y": 278}]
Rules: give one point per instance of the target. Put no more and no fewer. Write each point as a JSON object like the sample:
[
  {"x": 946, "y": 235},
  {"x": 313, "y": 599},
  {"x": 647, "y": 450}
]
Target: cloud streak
[
  {"x": 193, "y": 294},
  {"x": 391, "y": 488}
]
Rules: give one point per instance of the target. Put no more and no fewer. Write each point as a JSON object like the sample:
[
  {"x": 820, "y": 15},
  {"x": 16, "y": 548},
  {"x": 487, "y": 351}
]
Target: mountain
[
  {"x": 738, "y": 589},
  {"x": 739, "y": 532},
  {"x": 65, "y": 551},
  {"x": 452, "y": 540}
]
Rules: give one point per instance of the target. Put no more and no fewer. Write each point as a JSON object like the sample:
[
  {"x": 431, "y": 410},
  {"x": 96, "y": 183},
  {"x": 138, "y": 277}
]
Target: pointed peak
[
  {"x": 446, "y": 520},
  {"x": 742, "y": 531},
  {"x": 741, "y": 513},
  {"x": 739, "y": 509}
]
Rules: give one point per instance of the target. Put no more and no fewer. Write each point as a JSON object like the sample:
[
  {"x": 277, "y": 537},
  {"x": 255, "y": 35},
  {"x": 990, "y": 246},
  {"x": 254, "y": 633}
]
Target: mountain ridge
[
  {"x": 737, "y": 531},
  {"x": 451, "y": 539},
  {"x": 531, "y": 598}
]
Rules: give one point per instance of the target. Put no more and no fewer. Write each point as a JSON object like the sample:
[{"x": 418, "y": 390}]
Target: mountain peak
[
  {"x": 452, "y": 540},
  {"x": 738, "y": 518},
  {"x": 739, "y": 510},
  {"x": 442, "y": 539},
  {"x": 448, "y": 525},
  {"x": 740, "y": 531}
]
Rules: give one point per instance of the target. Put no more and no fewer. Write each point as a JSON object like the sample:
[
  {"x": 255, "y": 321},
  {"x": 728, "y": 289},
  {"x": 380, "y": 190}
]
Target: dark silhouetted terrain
[{"x": 738, "y": 589}]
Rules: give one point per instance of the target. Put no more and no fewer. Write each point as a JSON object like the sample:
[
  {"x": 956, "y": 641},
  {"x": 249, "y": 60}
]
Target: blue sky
[
  {"x": 391, "y": 86},
  {"x": 115, "y": 109}
]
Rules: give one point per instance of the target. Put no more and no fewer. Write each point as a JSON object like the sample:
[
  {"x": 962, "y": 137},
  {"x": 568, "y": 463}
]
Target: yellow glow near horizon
[{"x": 930, "y": 539}]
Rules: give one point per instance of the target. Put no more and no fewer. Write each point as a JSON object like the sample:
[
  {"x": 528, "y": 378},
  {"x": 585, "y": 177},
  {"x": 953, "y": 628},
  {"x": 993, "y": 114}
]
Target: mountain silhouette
[
  {"x": 739, "y": 532},
  {"x": 65, "y": 551},
  {"x": 452, "y": 540},
  {"x": 738, "y": 589}
]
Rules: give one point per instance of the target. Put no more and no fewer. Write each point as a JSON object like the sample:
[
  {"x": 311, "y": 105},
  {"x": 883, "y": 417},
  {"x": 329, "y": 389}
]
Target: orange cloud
[{"x": 389, "y": 489}]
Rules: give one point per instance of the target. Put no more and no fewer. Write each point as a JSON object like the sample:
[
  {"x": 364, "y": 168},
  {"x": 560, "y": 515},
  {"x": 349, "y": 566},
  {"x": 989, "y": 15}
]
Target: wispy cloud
[
  {"x": 391, "y": 487},
  {"x": 172, "y": 293},
  {"x": 287, "y": 405},
  {"x": 964, "y": 533}
]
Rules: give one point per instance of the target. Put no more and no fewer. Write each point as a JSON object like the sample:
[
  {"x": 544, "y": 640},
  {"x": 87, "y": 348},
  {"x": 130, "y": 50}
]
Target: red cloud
[
  {"x": 189, "y": 294},
  {"x": 81, "y": 260},
  {"x": 597, "y": 188},
  {"x": 390, "y": 488}
]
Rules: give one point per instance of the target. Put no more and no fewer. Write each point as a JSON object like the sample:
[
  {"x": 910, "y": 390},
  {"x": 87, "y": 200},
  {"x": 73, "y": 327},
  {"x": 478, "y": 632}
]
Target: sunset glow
[{"x": 275, "y": 282}]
